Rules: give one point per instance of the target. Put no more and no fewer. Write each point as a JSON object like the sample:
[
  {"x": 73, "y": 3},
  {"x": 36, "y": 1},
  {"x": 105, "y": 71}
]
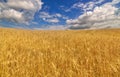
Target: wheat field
[{"x": 85, "y": 53}]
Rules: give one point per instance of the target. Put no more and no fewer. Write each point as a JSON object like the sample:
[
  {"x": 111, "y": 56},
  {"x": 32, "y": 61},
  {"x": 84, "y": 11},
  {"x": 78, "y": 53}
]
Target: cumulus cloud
[
  {"x": 103, "y": 16},
  {"x": 19, "y": 10},
  {"x": 51, "y": 18},
  {"x": 12, "y": 15},
  {"x": 53, "y": 27},
  {"x": 85, "y": 6}
]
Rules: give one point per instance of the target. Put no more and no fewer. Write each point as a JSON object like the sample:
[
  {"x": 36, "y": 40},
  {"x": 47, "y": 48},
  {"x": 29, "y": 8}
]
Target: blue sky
[{"x": 59, "y": 14}]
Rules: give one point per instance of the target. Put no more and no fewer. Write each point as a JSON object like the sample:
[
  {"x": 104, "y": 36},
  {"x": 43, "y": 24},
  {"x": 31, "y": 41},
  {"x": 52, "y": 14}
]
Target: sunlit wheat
[{"x": 85, "y": 53}]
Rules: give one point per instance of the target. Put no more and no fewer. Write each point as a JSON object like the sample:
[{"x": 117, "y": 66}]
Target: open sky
[{"x": 60, "y": 14}]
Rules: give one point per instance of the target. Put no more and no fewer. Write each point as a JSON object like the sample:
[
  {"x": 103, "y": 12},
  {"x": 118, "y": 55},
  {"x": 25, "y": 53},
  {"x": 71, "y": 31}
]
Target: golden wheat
[{"x": 86, "y": 53}]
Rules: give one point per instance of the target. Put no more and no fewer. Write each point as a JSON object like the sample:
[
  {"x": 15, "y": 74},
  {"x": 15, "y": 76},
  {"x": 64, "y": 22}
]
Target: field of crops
[{"x": 85, "y": 53}]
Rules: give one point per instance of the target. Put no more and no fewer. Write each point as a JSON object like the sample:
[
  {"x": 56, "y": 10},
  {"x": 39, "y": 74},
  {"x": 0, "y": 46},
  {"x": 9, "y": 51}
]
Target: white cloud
[
  {"x": 99, "y": 1},
  {"x": 51, "y": 18},
  {"x": 115, "y": 1},
  {"x": 19, "y": 10},
  {"x": 52, "y": 27},
  {"x": 58, "y": 15},
  {"x": 85, "y": 6},
  {"x": 104, "y": 15},
  {"x": 21, "y": 4},
  {"x": 45, "y": 15},
  {"x": 12, "y": 14},
  {"x": 107, "y": 24},
  {"x": 25, "y": 4}
]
